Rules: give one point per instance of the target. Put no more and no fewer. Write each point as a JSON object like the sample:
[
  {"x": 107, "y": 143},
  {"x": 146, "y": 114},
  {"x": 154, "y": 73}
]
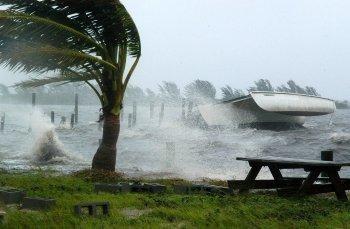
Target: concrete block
[
  {"x": 2, "y": 216},
  {"x": 154, "y": 188},
  {"x": 11, "y": 196},
  {"x": 112, "y": 188},
  {"x": 181, "y": 189},
  {"x": 92, "y": 208},
  {"x": 38, "y": 203}
]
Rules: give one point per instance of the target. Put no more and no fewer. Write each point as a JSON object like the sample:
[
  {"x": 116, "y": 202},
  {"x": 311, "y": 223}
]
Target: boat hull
[{"x": 266, "y": 109}]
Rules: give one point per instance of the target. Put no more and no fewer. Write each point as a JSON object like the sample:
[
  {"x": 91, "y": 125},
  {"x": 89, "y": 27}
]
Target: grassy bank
[{"x": 167, "y": 210}]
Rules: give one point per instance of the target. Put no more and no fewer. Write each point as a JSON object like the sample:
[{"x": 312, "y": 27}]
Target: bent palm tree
[{"x": 79, "y": 40}]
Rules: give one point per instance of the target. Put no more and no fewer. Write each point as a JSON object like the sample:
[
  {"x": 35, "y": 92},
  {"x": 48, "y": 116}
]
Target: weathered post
[
  {"x": 130, "y": 121},
  {"x": 161, "y": 114},
  {"x": 134, "y": 113},
  {"x": 326, "y": 155},
  {"x": 183, "y": 116},
  {"x": 170, "y": 154},
  {"x": 52, "y": 117},
  {"x": 190, "y": 109},
  {"x": 122, "y": 115},
  {"x": 72, "y": 121},
  {"x": 2, "y": 123},
  {"x": 76, "y": 110},
  {"x": 33, "y": 99},
  {"x": 151, "y": 110}
]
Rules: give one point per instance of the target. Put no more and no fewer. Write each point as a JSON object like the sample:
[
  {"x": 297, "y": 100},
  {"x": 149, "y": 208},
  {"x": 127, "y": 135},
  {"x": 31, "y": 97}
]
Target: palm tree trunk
[{"x": 105, "y": 157}]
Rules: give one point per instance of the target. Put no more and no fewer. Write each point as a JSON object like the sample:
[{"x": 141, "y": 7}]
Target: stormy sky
[{"x": 236, "y": 42}]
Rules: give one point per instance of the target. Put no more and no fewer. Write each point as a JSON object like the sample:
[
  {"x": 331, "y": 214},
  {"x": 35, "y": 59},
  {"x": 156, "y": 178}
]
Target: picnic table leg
[
  {"x": 277, "y": 175},
  {"x": 307, "y": 184},
  {"x": 249, "y": 180},
  {"x": 337, "y": 184}
]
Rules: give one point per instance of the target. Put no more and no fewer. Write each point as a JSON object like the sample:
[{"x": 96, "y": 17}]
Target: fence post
[
  {"x": 2, "y": 123},
  {"x": 161, "y": 114},
  {"x": 170, "y": 154},
  {"x": 72, "y": 121},
  {"x": 190, "y": 109},
  {"x": 130, "y": 121},
  {"x": 52, "y": 117},
  {"x": 76, "y": 109},
  {"x": 134, "y": 113},
  {"x": 33, "y": 99},
  {"x": 183, "y": 116},
  {"x": 151, "y": 110}
]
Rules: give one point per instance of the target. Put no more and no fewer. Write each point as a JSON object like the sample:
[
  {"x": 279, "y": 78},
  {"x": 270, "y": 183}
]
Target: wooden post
[
  {"x": 33, "y": 99},
  {"x": 72, "y": 121},
  {"x": 161, "y": 114},
  {"x": 134, "y": 113},
  {"x": 326, "y": 155},
  {"x": 76, "y": 110},
  {"x": 170, "y": 154},
  {"x": 52, "y": 117},
  {"x": 190, "y": 108},
  {"x": 151, "y": 110},
  {"x": 130, "y": 121},
  {"x": 183, "y": 116},
  {"x": 2, "y": 123},
  {"x": 122, "y": 115}
]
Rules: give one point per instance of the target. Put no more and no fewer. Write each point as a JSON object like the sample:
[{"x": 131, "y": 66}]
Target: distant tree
[
  {"x": 311, "y": 91},
  {"x": 200, "y": 91},
  {"x": 4, "y": 91},
  {"x": 134, "y": 94},
  {"x": 170, "y": 92},
  {"x": 150, "y": 95},
  {"x": 292, "y": 87},
  {"x": 262, "y": 85},
  {"x": 229, "y": 93},
  {"x": 342, "y": 104}
]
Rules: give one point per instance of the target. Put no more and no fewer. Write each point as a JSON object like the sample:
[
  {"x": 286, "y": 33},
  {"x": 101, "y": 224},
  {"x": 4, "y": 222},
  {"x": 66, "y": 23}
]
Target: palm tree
[
  {"x": 170, "y": 92},
  {"x": 80, "y": 41},
  {"x": 200, "y": 91},
  {"x": 229, "y": 93}
]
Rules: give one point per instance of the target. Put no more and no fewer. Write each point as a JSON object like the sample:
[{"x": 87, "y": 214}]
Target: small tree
[
  {"x": 200, "y": 91},
  {"x": 229, "y": 93},
  {"x": 81, "y": 41},
  {"x": 262, "y": 85}
]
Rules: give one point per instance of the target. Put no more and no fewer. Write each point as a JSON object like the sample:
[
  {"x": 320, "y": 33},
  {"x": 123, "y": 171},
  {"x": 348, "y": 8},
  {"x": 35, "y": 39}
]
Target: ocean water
[{"x": 31, "y": 141}]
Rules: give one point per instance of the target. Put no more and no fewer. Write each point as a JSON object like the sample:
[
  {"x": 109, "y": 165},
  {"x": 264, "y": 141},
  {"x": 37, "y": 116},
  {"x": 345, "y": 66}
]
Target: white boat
[{"x": 266, "y": 109}]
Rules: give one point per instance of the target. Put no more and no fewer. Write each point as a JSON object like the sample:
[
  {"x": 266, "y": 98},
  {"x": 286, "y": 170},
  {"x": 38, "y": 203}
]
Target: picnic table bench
[{"x": 294, "y": 185}]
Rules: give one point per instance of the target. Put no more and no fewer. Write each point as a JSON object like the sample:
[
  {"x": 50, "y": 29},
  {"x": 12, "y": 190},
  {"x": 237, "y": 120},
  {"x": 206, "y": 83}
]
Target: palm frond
[
  {"x": 37, "y": 82},
  {"x": 33, "y": 58},
  {"x": 20, "y": 23}
]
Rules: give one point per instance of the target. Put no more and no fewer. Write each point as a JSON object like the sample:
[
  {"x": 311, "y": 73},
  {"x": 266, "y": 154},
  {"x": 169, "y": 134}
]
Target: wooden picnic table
[{"x": 294, "y": 185}]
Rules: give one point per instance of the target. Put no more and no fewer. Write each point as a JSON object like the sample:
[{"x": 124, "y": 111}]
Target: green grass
[{"x": 167, "y": 210}]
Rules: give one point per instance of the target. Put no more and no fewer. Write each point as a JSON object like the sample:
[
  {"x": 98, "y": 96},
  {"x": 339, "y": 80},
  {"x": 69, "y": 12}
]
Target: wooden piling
[
  {"x": 72, "y": 119},
  {"x": 161, "y": 114},
  {"x": 52, "y": 117},
  {"x": 326, "y": 155},
  {"x": 2, "y": 123},
  {"x": 76, "y": 109},
  {"x": 183, "y": 115},
  {"x": 134, "y": 113},
  {"x": 33, "y": 99},
  {"x": 190, "y": 109},
  {"x": 170, "y": 154},
  {"x": 130, "y": 121},
  {"x": 151, "y": 110}
]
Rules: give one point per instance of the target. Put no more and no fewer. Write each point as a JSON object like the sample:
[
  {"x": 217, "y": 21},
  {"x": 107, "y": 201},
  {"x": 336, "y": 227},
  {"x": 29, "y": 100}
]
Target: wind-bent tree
[
  {"x": 229, "y": 93},
  {"x": 200, "y": 91},
  {"x": 79, "y": 40},
  {"x": 262, "y": 85},
  {"x": 170, "y": 92}
]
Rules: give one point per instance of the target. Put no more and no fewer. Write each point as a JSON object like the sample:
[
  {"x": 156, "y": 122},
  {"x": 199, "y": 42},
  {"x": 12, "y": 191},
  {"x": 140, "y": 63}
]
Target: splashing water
[{"x": 47, "y": 148}]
